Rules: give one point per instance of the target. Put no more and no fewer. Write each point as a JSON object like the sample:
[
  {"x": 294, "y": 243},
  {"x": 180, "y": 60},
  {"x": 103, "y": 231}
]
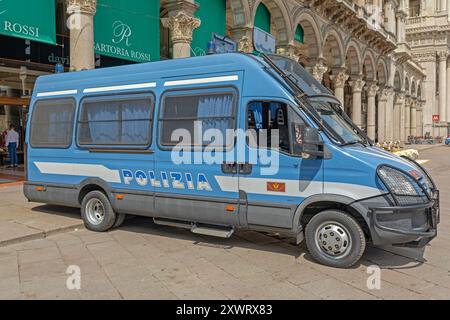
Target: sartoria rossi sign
[
  {"x": 129, "y": 32},
  {"x": 29, "y": 19}
]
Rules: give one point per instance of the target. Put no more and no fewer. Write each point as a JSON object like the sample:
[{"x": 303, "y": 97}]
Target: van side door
[
  {"x": 192, "y": 150},
  {"x": 280, "y": 179}
]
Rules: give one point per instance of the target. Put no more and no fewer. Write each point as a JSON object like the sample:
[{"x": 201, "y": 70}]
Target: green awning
[
  {"x": 212, "y": 14},
  {"x": 29, "y": 19},
  {"x": 125, "y": 31}
]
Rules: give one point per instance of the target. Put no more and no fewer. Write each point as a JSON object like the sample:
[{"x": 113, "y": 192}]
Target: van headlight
[{"x": 403, "y": 187}]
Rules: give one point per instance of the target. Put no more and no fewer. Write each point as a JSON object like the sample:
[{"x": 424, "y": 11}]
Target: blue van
[{"x": 116, "y": 141}]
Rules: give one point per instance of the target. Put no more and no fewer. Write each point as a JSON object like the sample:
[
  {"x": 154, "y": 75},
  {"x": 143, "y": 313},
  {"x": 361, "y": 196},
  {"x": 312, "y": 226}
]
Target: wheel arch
[
  {"x": 92, "y": 184},
  {"x": 318, "y": 203}
]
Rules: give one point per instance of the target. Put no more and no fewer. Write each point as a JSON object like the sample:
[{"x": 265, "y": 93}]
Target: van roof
[{"x": 160, "y": 69}]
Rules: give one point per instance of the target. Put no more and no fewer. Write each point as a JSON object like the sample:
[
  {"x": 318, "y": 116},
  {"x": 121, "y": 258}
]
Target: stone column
[
  {"x": 382, "y": 114},
  {"x": 243, "y": 38},
  {"x": 390, "y": 114},
  {"x": 407, "y": 118},
  {"x": 413, "y": 124},
  {"x": 319, "y": 70},
  {"x": 357, "y": 84},
  {"x": 372, "y": 90},
  {"x": 401, "y": 19},
  {"x": 443, "y": 85},
  {"x": 398, "y": 107},
  {"x": 340, "y": 78},
  {"x": 81, "y": 23},
  {"x": 447, "y": 90},
  {"x": 428, "y": 61},
  {"x": 181, "y": 27},
  {"x": 419, "y": 108}
]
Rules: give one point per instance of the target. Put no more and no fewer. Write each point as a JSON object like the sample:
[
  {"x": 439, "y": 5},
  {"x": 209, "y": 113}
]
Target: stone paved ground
[{"x": 145, "y": 261}]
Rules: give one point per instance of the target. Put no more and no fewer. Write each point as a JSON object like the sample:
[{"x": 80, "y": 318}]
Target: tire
[
  {"x": 120, "y": 219},
  {"x": 97, "y": 212},
  {"x": 341, "y": 251}
]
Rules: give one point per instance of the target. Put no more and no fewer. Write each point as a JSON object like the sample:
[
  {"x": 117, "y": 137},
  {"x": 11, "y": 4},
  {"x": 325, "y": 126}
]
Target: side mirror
[{"x": 307, "y": 141}]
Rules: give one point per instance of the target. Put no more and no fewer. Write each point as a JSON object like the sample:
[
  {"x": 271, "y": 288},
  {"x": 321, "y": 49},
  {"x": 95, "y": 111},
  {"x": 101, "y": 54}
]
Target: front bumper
[{"x": 410, "y": 226}]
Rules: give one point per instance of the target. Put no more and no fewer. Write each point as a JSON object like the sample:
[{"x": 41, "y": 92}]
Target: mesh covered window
[
  {"x": 52, "y": 123},
  {"x": 120, "y": 122},
  {"x": 197, "y": 113}
]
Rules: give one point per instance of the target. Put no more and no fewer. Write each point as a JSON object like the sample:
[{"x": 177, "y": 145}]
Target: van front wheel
[
  {"x": 97, "y": 212},
  {"x": 334, "y": 238}
]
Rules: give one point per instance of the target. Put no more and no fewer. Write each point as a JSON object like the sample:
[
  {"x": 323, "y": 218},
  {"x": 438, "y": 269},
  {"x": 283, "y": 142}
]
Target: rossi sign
[
  {"x": 28, "y": 19},
  {"x": 127, "y": 32}
]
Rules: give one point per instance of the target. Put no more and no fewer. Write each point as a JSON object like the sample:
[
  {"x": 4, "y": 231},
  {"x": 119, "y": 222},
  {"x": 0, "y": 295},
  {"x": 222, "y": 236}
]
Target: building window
[
  {"x": 52, "y": 123},
  {"x": 299, "y": 34},
  {"x": 189, "y": 111},
  {"x": 414, "y": 8},
  {"x": 122, "y": 121},
  {"x": 263, "y": 18}
]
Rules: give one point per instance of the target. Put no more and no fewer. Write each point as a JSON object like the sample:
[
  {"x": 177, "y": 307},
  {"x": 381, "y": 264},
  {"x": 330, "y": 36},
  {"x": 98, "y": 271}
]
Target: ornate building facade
[
  {"x": 427, "y": 33},
  {"x": 356, "y": 48}
]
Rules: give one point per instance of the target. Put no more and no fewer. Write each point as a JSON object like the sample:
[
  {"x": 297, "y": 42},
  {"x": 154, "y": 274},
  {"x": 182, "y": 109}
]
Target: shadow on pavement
[
  {"x": 243, "y": 239},
  {"x": 387, "y": 257},
  {"x": 58, "y": 210}
]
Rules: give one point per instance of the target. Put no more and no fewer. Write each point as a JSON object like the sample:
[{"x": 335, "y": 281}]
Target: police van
[{"x": 222, "y": 143}]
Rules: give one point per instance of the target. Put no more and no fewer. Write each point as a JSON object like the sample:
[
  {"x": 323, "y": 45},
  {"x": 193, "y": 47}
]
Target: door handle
[
  {"x": 233, "y": 168},
  {"x": 229, "y": 168},
  {"x": 245, "y": 168}
]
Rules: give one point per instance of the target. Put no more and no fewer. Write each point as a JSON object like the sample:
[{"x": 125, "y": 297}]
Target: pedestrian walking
[{"x": 12, "y": 142}]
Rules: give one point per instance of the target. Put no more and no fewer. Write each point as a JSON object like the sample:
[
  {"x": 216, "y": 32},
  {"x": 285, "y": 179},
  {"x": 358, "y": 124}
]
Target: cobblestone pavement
[{"x": 144, "y": 261}]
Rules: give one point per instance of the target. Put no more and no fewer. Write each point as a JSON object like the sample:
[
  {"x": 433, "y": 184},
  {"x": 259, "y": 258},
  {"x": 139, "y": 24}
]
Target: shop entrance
[{"x": 13, "y": 110}]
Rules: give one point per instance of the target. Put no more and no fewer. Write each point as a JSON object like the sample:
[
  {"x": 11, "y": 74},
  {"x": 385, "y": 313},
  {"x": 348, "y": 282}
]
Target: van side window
[
  {"x": 52, "y": 123},
  {"x": 194, "y": 111},
  {"x": 120, "y": 121},
  {"x": 265, "y": 119}
]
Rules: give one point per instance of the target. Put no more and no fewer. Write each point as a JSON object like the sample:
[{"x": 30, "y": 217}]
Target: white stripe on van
[
  {"x": 296, "y": 188},
  {"x": 78, "y": 169},
  {"x": 123, "y": 87},
  {"x": 200, "y": 81},
  {"x": 56, "y": 93}
]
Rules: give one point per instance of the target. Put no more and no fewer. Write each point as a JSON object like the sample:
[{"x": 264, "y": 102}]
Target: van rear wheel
[
  {"x": 334, "y": 238},
  {"x": 97, "y": 212}
]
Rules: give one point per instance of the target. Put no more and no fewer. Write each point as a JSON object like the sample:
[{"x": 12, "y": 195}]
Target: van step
[
  {"x": 221, "y": 232},
  {"x": 173, "y": 223}
]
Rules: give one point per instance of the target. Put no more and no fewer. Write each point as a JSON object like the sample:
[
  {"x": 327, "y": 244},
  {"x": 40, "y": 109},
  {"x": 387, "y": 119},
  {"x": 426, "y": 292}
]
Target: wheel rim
[
  {"x": 95, "y": 211},
  {"x": 334, "y": 240}
]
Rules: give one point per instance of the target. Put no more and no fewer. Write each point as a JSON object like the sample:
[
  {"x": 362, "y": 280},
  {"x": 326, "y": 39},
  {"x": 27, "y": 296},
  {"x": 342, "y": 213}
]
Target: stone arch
[
  {"x": 369, "y": 70},
  {"x": 280, "y": 18},
  {"x": 382, "y": 72},
  {"x": 353, "y": 59},
  {"x": 311, "y": 34},
  {"x": 333, "y": 50}
]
